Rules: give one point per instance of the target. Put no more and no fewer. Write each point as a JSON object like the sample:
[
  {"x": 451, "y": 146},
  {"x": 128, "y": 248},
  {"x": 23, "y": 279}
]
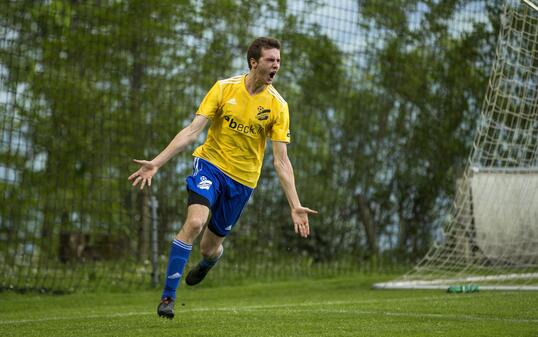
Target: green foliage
[
  {"x": 379, "y": 133},
  {"x": 418, "y": 119}
]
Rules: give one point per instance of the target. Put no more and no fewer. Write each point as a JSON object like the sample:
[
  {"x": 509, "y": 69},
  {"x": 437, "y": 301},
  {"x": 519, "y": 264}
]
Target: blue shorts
[{"x": 226, "y": 197}]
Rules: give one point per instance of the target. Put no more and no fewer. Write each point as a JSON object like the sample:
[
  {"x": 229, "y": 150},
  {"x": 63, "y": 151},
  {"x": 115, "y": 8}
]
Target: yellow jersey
[{"x": 240, "y": 125}]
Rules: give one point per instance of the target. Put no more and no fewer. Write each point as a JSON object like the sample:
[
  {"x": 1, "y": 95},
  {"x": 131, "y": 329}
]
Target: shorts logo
[{"x": 204, "y": 183}]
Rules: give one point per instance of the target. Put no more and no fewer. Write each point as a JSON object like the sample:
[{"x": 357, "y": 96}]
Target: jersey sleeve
[
  {"x": 280, "y": 130},
  {"x": 211, "y": 103}
]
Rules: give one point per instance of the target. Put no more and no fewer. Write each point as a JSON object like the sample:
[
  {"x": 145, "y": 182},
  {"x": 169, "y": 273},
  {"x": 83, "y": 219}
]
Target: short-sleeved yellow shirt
[{"x": 240, "y": 125}]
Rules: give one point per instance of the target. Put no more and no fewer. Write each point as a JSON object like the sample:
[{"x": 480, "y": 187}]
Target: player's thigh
[
  {"x": 210, "y": 244},
  {"x": 197, "y": 216}
]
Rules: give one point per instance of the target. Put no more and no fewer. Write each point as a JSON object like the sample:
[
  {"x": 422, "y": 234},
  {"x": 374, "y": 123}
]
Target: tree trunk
[
  {"x": 367, "y": 219},
  {"x": 144, "y": 226},
  {"x": 402, "y": 238}
]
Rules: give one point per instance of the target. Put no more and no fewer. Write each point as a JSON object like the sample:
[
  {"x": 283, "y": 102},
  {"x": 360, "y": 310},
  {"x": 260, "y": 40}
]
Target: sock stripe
[
  {"x": 179, "y": 255},
  {"x": 182, "y": 244}
]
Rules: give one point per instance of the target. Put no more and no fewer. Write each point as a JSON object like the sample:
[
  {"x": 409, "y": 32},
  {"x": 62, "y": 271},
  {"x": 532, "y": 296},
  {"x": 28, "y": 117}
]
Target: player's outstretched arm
[
  {"x": 185, "y": 137},
  {"x": 284, "y": 169}
]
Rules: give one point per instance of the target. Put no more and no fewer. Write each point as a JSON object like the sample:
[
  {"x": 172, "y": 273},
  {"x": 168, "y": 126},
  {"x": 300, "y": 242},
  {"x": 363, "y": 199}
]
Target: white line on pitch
[
  {"x": 202, "y": 309},
  {"x": 290, "y": 307},
  {"x": 419, "y": 314}
]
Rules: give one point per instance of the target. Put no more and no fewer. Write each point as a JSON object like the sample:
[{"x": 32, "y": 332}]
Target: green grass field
[{"x": 326, "y": 307}]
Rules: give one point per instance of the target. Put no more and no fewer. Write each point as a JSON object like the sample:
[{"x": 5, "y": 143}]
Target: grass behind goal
[{"x": 344, "y": 306}]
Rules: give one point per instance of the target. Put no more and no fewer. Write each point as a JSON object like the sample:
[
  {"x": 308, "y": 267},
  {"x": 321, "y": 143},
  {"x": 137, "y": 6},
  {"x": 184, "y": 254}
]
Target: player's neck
[{"x": 253, "y": 84}]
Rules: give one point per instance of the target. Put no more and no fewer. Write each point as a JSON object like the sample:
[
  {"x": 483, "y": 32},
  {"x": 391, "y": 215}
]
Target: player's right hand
[{"x": 144, "y": 174}]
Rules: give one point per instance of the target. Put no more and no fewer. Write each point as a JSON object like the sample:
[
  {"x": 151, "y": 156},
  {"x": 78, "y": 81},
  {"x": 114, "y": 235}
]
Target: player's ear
[{"x": 253, "y": 63}]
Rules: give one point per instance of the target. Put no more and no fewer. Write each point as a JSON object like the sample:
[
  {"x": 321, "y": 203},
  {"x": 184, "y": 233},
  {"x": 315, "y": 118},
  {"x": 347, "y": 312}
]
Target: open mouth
[{"x": 272, "y": 74}]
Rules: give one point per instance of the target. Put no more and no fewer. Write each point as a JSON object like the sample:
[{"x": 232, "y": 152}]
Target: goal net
[{"x": 491, "y": 236}]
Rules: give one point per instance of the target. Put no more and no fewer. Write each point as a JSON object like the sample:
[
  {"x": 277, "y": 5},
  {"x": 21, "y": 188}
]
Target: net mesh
[
  {"x": 491, "y": 237},
  {"x": 87, "y": 86}
]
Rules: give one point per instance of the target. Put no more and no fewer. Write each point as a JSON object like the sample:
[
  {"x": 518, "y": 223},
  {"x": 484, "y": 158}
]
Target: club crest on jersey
[
  {"x": 204, "y": 183},
  {"x": 263, "y": 114}
]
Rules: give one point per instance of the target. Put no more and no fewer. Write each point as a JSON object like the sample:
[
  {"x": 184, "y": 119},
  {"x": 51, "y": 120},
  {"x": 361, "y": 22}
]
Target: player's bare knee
[
  {"x": 193, "y": 226},
  {"x": 195, "y": 223}
]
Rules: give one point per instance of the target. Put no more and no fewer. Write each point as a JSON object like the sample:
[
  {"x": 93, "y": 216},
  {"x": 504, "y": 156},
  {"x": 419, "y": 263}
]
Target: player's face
[{"x": 268, "y": 65}]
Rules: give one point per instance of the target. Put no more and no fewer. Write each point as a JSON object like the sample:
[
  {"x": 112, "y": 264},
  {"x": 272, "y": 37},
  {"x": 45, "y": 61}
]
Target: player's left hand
[{"x": 299, "y": 216}]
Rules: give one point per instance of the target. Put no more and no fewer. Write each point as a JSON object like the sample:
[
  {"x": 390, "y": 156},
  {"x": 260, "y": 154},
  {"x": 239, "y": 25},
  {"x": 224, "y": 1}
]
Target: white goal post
[
  {"x": 491, "y": 236},
  {"x": 532, "y": 4}
]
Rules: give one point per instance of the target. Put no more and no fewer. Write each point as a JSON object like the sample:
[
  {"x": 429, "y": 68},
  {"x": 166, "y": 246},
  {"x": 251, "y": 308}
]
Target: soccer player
[{"x": 243, "y": 111}]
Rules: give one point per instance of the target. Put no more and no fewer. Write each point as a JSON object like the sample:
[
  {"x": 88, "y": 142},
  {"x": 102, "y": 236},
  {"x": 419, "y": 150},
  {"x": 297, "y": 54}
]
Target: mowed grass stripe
[
  {"x": 319, "y": 307},
  {"x": 234, "y": 308},
  {"x": 335, "y": 307}
]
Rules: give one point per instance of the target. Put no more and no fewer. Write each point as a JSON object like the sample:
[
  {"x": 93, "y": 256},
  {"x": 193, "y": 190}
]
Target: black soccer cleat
[
  {"x": 166, "y": 308},
  {"x": 196, "y": 275}
]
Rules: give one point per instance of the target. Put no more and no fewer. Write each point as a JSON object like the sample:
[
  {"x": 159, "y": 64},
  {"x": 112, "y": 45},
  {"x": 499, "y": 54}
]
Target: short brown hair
[{"x": 255, "y": 49}]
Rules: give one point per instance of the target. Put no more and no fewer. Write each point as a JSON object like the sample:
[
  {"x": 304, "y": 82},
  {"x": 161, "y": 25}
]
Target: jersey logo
[
  {"x": 204, "y": 183},
  {"x": 262, "y": 114},
  {"x": 232, "y": 101},
  {"x": 242, "y": 128}
]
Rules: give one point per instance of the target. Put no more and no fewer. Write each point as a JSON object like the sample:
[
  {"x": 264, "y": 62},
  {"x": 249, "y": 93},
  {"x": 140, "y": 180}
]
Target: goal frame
[{"x": 462, "y": 218}]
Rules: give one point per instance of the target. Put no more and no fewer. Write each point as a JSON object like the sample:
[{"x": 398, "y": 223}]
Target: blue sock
[
  {"x": 210, "y": 262},
  {"x": 179, "y": 255}
]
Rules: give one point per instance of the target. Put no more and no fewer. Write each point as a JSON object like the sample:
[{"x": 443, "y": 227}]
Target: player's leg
[
  {"x": 203, "y": 190},
  {"x": 224, "y": 216},
  {"x": 212, "y": 250},
  {"x": 180, "y": 250}
]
